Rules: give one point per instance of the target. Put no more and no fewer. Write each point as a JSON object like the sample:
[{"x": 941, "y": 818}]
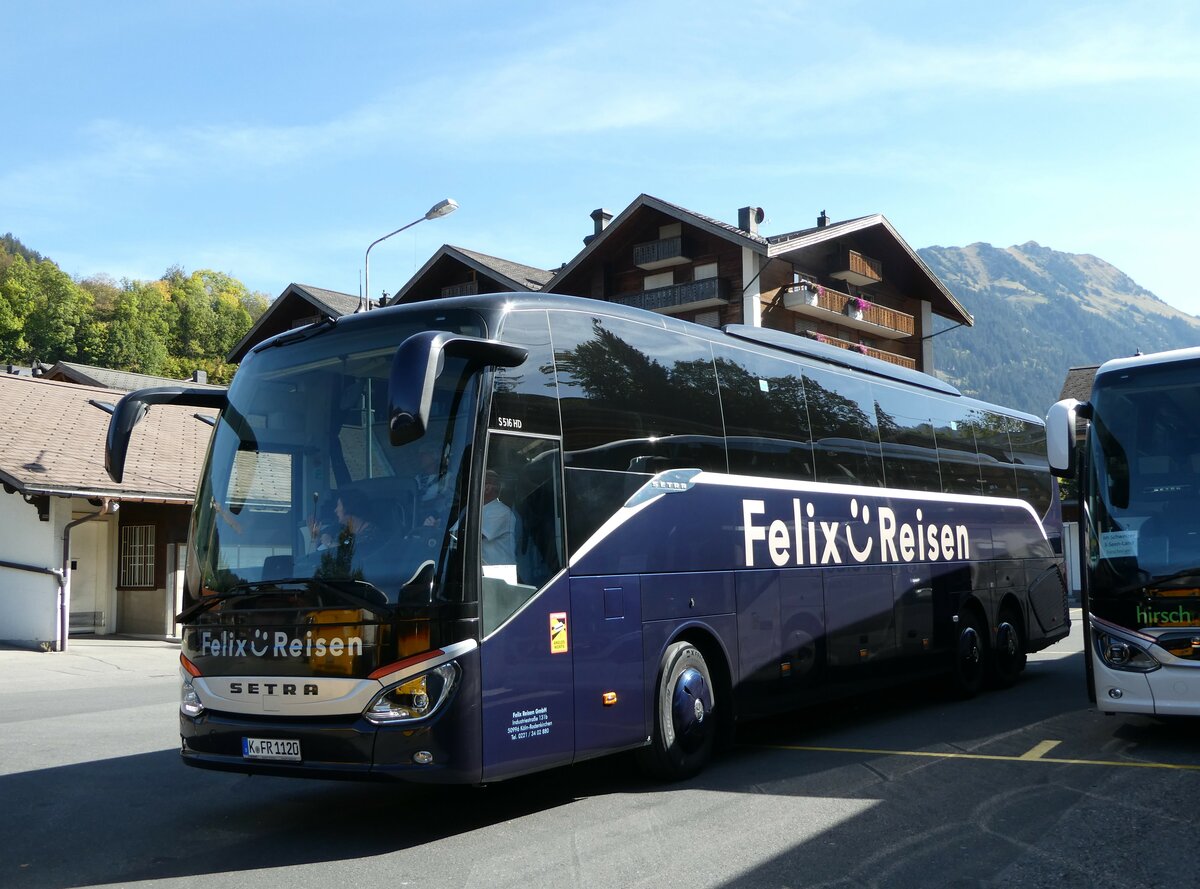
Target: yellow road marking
[
  {"x": 1039, "y": 750},
  {"x": 1031, "y": 756}
]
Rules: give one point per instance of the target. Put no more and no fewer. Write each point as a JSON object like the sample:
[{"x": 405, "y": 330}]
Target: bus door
[{"x": 524, "y": 607}]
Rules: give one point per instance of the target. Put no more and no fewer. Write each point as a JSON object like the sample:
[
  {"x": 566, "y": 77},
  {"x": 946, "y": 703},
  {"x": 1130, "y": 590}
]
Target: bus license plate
[{"x": 270, "y": 748}]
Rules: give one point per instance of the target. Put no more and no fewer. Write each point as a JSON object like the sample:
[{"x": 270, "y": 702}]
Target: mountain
[{"x": 1039, "y": 312}]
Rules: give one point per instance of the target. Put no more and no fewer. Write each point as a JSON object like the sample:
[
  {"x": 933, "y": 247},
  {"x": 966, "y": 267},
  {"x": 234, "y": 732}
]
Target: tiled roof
[
  {"x": 336, "y": 303},
  {"x": 52, "y": 442},
  {"x": 525, "y": 277},
  {"x": 1078, "y": 384},
  {"x": 120, "y": 380}
]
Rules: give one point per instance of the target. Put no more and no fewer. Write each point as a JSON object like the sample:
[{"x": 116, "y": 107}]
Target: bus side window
[
  {"x": 766, "y": 419},
  {"x": 957, "y": 456},
  {"x": 906, "y": 437},
  {"x": 845, "y": 436},
  {"x": 525, "y": 397},
  {"x": 996, "y": 468},
  {"x": 1033, "y": 474},
  {"x": 521, "y": 525},
  {"x": 635, "y": 398}
]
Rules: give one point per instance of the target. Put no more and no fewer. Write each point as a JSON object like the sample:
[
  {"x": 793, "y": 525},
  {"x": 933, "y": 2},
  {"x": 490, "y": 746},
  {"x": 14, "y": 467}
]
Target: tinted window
[
  {"x": 996, "y": 469},
  {"x": 766, "y": 420},
  {"x": 525, "y": 397},
  {"x": 906, "y": 433},
  {"x": 954, "y": 432},
  {"x": 1034, "y": 483},
  {"x": 841, "y": 414},
  {"x": 635, "y": 398}
]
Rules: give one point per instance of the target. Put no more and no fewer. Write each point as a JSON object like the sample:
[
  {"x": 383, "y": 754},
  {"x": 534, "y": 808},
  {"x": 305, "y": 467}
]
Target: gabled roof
[
  {"x": 296, "y": 303},
  {"x": 916, "y": 277},
  {"x": 513, "y": 275},
  {"x": 714, "y": 226},
  {"x": 52, "y": 438},
  {"x": 119, "y": 380}
]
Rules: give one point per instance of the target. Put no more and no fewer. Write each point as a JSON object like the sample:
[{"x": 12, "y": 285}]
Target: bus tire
[
  {"x": 684, "y": 726},
  {"x": 970, "y": 655},
  {"x": 1008, "y": 658}
]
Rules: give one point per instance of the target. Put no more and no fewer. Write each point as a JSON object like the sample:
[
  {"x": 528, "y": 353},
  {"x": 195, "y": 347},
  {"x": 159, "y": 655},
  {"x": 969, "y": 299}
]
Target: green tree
[
  {"x": 139, "y": 329},
  {"x": 16, "y": 302},
  {"x": 60, "y": 319}
]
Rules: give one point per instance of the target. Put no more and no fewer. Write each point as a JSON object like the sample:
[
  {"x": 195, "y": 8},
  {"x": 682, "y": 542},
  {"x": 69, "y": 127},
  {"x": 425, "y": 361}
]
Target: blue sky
[{"x": 276, "y": 140}]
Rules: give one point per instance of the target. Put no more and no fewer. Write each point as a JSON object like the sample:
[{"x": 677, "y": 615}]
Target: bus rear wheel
[
  {"x": 684, "y": 726},
  {"x": 1009, "y": 658},
  {"x": 970, "y": 656}
]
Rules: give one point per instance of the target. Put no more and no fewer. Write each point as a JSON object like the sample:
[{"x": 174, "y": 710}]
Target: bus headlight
[
  {"x": 189, "y": 701},
  {"x": 1122, "y": 653},
  {"x": 415, "y": 698}
]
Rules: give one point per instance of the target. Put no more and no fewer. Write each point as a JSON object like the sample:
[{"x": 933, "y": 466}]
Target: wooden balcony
[
  {"x": 470, "y": 288},
  {"x": 706, "y": 293},
  {"x": 854, "y": 268},
  {"x": 889, "y": 357},
  {"x": 843, "y": 309},
  {"x": 660, "y": 254}
]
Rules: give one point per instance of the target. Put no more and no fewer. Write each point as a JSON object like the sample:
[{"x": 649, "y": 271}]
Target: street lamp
[{"x": 441, "y": 208}]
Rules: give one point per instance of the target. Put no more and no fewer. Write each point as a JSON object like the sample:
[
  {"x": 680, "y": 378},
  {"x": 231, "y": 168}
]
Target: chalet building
[{"x": 854, "y": 284}]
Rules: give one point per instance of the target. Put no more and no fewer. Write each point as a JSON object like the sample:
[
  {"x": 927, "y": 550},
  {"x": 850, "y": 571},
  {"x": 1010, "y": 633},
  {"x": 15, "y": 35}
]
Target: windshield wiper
[
  {"x": 366, "y": 599},
  {"x": 301, "y": 333}
]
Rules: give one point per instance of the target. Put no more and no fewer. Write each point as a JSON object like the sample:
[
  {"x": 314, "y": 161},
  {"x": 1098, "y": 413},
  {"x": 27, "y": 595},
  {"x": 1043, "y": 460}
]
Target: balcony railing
[
  {"x": 858, "y": 269},
  {"x": 703, "y": 294},
  {"x": 660, "y": 254},
  {"x": 820, "y": 302},
  {"x": 889, "y": 357},
  {"x": 468, "y": 289}
]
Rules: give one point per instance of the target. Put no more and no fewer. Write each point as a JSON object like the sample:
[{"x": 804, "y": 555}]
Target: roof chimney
[
  {"x": 601, "y": 218},
  {"x": 749, "y": 218},
  {"x": 822, "y": 220},
  {"x": 199, "y": 376}
]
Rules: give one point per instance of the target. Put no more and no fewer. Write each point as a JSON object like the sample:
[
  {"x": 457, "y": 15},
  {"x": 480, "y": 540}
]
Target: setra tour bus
[
  {"x": 1138, "y": 475},
  {"x": 465, "y": 539}
]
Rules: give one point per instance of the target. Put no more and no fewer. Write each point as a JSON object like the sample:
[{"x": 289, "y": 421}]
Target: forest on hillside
[
  {"x": 1038, "y": 313},
  {"x": 170, "y": 327}
]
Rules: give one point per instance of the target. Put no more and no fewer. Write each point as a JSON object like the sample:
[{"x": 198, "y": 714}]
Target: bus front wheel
[{"x": 684, "y": 726}]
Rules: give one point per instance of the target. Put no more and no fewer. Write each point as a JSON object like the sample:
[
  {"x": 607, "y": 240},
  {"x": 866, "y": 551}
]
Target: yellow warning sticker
[{"x": 558, "y": 632}]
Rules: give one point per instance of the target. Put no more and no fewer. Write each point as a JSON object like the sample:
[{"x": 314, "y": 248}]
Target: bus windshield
[
  {"x": 303, "y": 486},
  {"x": 1144, "y": 476}
]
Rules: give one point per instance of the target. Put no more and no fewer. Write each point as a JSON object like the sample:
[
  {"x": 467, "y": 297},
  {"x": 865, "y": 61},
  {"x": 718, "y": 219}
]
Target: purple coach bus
[{"x": 467, "y": 539}]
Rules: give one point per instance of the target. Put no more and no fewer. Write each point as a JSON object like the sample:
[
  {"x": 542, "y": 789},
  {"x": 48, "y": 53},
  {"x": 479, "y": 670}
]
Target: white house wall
[{"x": 29, "y": 601}]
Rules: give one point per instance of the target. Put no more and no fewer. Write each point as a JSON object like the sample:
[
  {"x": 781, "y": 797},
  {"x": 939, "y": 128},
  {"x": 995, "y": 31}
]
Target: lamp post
[{"x": 441, "y": 208}]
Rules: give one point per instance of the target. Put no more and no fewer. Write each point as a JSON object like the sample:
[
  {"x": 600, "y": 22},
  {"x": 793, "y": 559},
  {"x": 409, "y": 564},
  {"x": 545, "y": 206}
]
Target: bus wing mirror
[
  {"x": 415, "y": 369},
  {"x": 132, "y": 408},
  {"x": 1060, "y": 437}
]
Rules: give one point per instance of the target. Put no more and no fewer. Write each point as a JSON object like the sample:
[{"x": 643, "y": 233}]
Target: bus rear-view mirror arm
[
  {"x": 1060, "y": 435},
  {"x": 415, "y": 369},
  {"x": 132, "y": 408}
]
